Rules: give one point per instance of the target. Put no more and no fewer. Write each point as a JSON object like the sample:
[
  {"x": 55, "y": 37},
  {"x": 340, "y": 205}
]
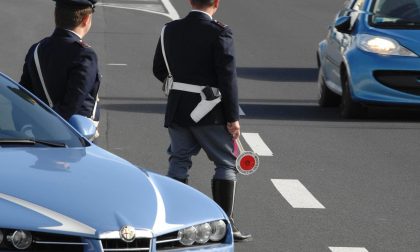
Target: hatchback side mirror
[
  {"x": 83, "y": 125},
  {"x": 343, "y": 24}
]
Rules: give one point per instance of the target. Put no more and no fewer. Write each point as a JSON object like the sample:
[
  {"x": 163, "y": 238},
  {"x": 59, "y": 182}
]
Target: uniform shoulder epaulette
[
  {"x": 220, "y": 24},
  {"x": 83, "y": 44}
]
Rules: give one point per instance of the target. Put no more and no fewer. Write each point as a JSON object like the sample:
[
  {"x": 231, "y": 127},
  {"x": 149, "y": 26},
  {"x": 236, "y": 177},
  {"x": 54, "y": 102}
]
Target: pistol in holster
[{"x": 209, "y": 99}]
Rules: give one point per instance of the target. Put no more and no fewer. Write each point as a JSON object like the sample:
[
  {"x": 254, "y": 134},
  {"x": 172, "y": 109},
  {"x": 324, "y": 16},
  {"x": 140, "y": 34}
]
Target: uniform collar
[
  {"x": 75, "y": 33},
  {"x": 59, "y": 32},
  {"x": 201, "y": 13}
]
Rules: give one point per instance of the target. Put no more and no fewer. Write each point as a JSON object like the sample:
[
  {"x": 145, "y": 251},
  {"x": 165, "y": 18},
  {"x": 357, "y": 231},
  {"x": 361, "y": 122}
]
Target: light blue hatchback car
[
  {"x": 59, "y": 192},
  {"x": 371, "y": 56}
]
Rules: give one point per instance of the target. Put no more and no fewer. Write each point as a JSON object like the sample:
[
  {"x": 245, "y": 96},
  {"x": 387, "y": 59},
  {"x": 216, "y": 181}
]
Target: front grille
[
  {"x": 46, "y": 242},
  {"x": 117, "y": 245},
  {"x": 403, "y": 81},
  {"x": 168, "y": 241}
]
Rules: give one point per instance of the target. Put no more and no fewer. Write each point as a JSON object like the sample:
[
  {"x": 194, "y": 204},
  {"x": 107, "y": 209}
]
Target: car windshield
[
  {"x": 24, "y": 121},
  {"x": 396, "y": 14}
]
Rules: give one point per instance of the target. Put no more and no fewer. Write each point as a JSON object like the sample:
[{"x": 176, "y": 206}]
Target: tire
[
  {"x": 326, "y": 97},
  {"x": 348, "y": 107}
]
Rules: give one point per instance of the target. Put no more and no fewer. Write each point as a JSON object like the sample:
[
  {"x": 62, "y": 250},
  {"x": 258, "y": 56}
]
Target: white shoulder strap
[
  {"x": 162, "y": 42},
  {"x": 41, "y": 77}
]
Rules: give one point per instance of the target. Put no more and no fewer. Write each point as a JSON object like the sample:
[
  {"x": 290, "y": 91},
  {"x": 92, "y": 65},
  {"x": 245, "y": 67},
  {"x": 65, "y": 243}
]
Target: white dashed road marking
[
  {"x": 345, "y": 249},
  {"x": 257, "y": 144},
  {"x": 296, "y": 193},
  {"x": 116, "y": 64}
]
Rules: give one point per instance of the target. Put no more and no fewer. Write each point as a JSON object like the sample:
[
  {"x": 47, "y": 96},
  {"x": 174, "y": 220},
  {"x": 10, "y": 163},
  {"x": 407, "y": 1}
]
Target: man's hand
[{"x": 234, "y": 129}]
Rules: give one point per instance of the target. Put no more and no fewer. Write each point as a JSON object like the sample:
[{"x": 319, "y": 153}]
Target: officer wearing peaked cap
[
  {"x": 195, "y": 59},
  {"x": 62, "y": 70}
]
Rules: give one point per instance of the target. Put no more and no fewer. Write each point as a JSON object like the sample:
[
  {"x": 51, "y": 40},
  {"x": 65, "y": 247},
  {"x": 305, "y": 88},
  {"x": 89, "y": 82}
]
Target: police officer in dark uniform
[
  {"x": 197, "y": 63},
  {"x": 62, "y": 70}
]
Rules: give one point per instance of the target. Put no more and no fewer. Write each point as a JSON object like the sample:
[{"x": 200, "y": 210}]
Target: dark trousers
[{"x": 215, "y": 140}]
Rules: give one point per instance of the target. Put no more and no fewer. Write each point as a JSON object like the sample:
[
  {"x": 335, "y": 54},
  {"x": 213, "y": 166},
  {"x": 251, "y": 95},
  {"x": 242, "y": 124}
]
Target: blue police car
[
  {"x": 371, "y": 56},
  {"x": 60, "y": 192}
]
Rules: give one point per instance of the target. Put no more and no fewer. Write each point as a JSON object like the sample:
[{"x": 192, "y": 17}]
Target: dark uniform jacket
[
  {"x": 200, "y": 51},
  {"x": 70, "y": 71}
]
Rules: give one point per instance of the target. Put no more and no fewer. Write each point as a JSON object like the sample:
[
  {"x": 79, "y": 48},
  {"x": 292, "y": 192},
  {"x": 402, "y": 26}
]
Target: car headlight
[
  {"x": 382, "y": 45},
  {"x": 21, "y": 239},
  {"x": 187, "y": 236},
  {"x": 218, "y": 230},
  {"x": 201, "y": 234}
]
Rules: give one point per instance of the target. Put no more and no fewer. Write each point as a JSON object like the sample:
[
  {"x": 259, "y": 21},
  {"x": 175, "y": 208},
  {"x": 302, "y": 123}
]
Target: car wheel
[
  {"x": 348, "y": 107},
  {"x": 326, "y": 98}
]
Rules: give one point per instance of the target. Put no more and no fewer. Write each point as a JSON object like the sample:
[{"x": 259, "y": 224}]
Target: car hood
[{"x": 90, "y": 191}]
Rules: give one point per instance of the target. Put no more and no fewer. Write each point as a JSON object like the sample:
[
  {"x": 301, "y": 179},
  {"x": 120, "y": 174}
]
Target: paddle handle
[{"x": 240, "y": 146}]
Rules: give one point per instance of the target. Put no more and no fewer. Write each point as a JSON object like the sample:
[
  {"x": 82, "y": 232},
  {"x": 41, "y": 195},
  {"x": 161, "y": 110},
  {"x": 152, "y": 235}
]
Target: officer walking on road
[
  {"x": 195, "y": 60},
  {"x": 62, "y": 70}
]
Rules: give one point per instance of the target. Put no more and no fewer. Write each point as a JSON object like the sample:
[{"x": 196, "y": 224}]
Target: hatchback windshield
[
  {"x": 396, "y": 13},
  {"x": 23, "y": 121}
]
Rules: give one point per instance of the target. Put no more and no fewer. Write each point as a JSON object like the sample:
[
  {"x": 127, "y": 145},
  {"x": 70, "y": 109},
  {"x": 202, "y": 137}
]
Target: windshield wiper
[{"x": 31, "y": 142}]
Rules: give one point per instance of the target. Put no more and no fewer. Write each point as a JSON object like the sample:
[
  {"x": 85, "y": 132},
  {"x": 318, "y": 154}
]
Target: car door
[{"x": 337, "y": 43}]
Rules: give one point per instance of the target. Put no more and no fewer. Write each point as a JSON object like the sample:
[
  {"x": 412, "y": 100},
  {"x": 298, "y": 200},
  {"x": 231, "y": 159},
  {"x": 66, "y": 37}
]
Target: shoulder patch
[
  {"x": 220, "y": 24},
  {"x": 83, "y": 44}
]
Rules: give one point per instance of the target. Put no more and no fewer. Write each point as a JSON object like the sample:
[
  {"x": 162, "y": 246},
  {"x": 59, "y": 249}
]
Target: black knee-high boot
[{"x": 224, "y": 195}]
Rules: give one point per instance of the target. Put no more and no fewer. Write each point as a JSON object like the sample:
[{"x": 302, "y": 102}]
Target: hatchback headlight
[
  {"x": 382, "y": 45},
  {"x": 201, "y": 234}
]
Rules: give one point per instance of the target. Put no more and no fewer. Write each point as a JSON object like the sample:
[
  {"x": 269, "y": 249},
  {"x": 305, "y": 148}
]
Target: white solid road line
[
  {"x": 173, "y": 14},
  {"x": 163, "y": 7},
  {"x": 347, "y": 249},
  {"x": 257, "y": 144},
  {"x": 296, "y": 193}
]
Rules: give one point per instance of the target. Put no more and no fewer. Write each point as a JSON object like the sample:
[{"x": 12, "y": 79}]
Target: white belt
[
  {"x": 191, "y": 88},
  {"x": 204, "y": 106}
]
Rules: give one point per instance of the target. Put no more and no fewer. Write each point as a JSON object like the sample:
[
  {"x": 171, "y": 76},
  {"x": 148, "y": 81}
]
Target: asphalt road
[{"x": 362, "y": 173}]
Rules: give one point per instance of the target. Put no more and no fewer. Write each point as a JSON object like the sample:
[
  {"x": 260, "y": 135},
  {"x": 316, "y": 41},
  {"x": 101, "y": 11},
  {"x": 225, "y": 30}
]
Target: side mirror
[
  {"x": 343, "y": 24},
  {"x": 83, "y": 125}
]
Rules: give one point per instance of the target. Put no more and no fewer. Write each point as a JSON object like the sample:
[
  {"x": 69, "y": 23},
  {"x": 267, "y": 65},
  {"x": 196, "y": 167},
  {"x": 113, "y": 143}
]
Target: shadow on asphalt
[
  {"x": 278, "y": 74},
  {"x": 305, "y": 111},
  {"x": 136, "y": 107}
]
